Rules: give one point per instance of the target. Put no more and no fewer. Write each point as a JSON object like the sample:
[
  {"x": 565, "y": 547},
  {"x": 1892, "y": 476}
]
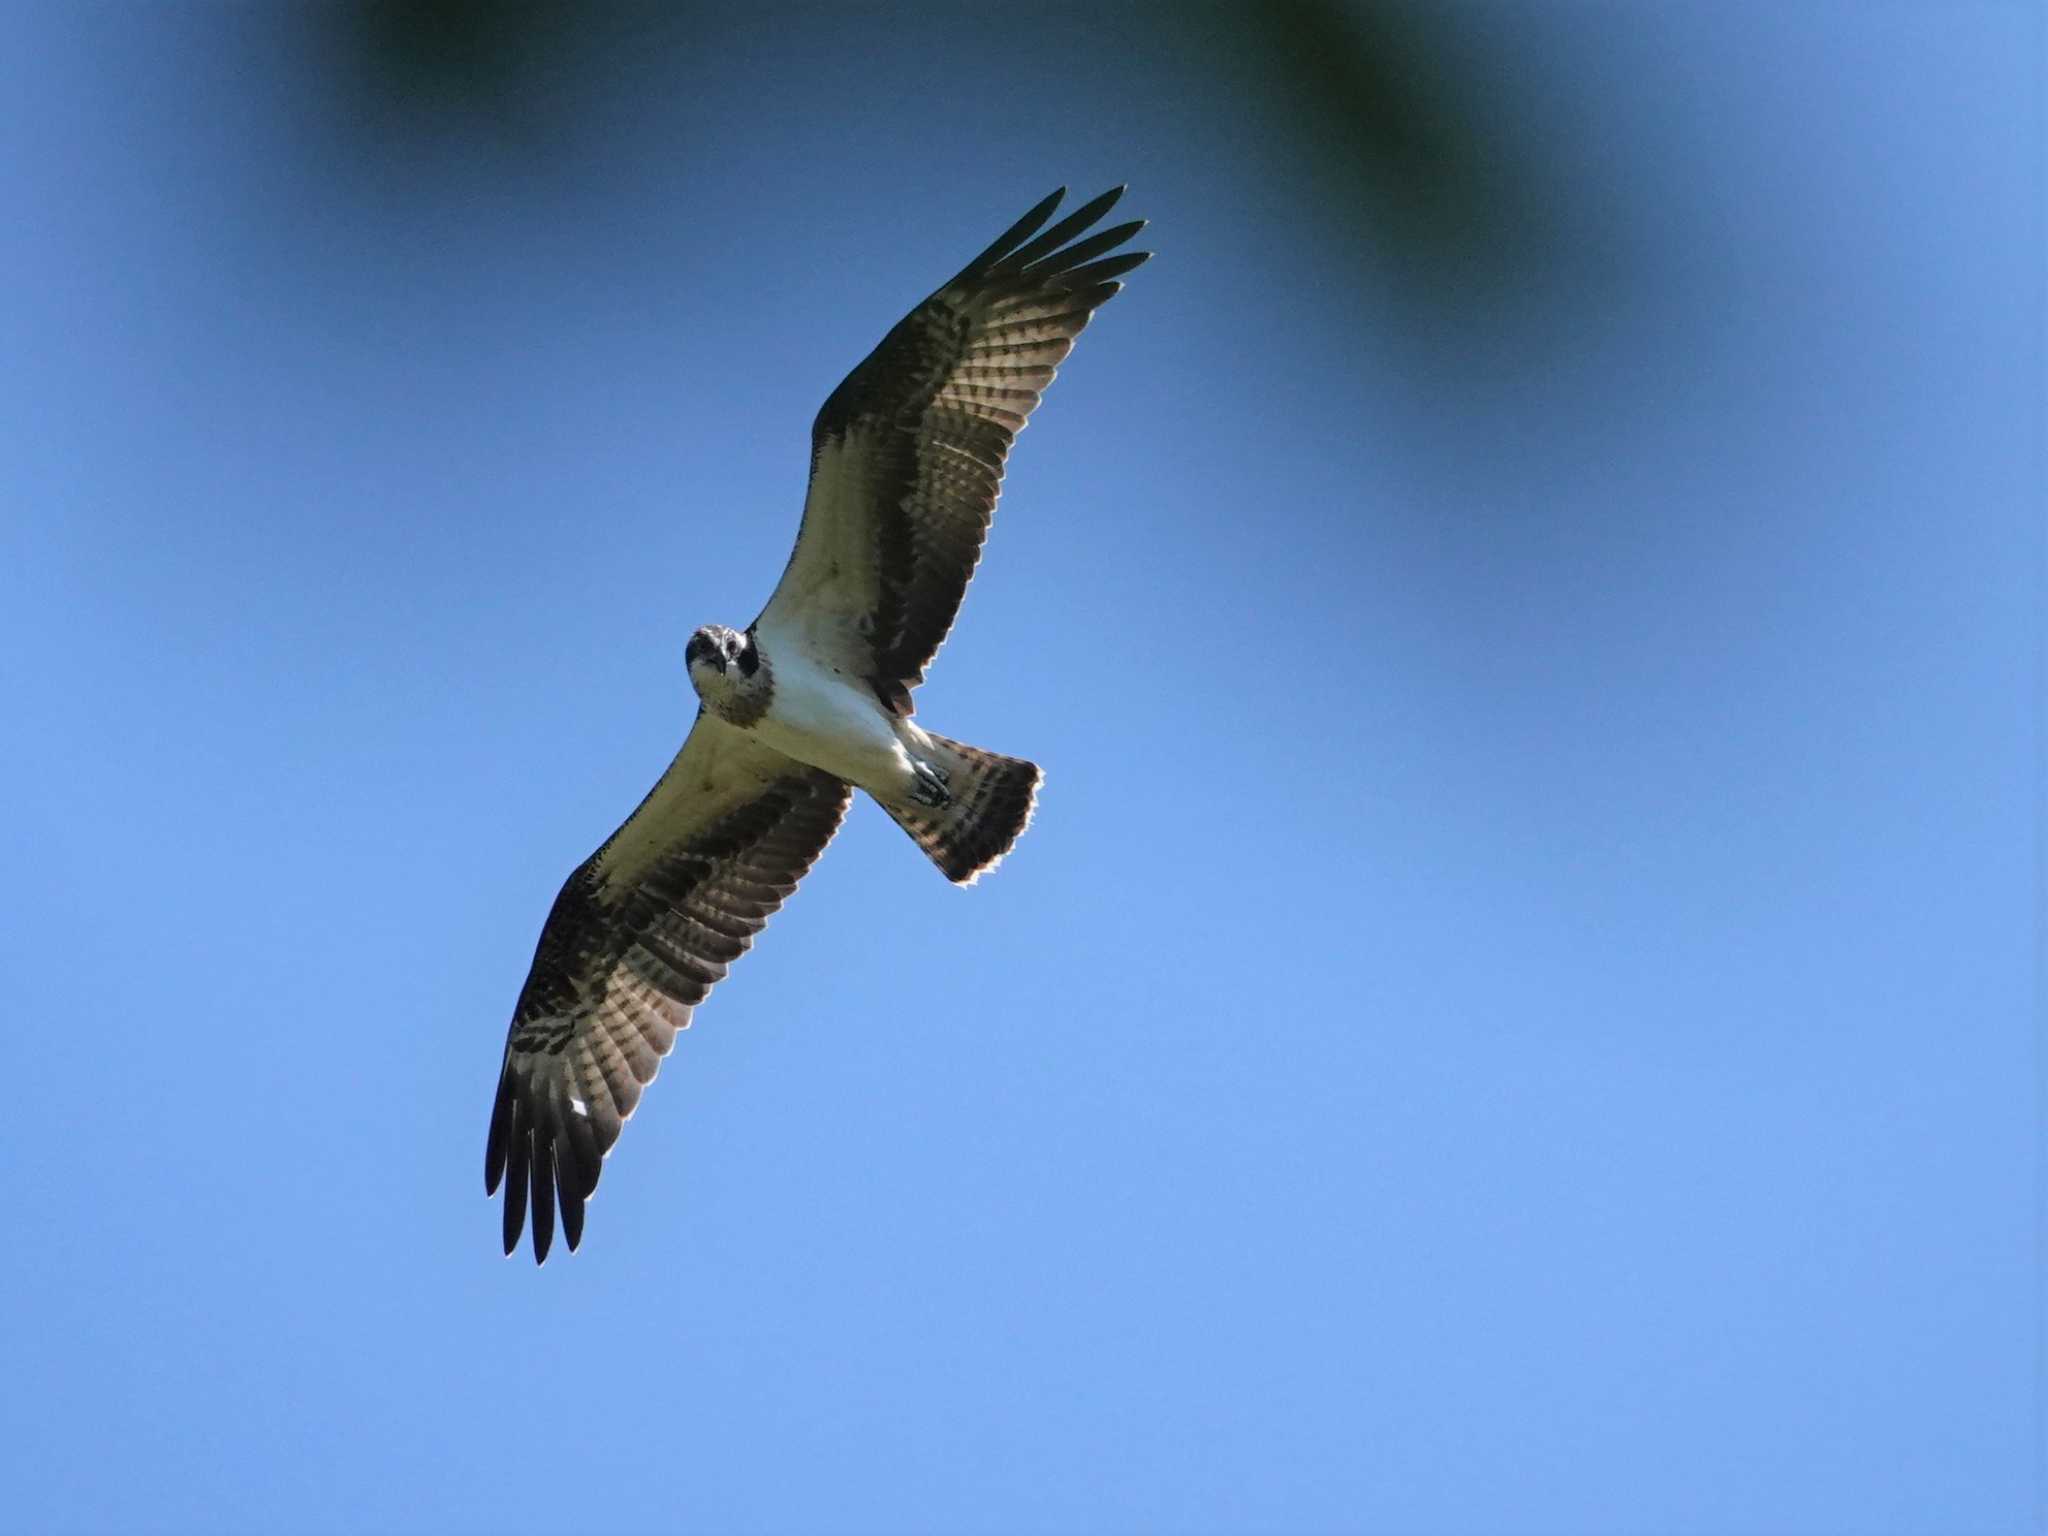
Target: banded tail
[{"x": 989, "y": 803}]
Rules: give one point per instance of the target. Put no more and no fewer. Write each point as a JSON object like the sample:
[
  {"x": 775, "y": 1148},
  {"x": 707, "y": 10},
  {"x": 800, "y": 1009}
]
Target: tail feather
[{"x": 990, "y": 801}]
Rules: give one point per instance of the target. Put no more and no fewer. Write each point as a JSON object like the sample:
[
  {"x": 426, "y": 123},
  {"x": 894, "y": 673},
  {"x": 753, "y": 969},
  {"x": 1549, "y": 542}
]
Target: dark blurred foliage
[
  {"x": 1386, "y": 104},
  {"x": 519, "y": 72},
  {"x": 461, "y": 52}
]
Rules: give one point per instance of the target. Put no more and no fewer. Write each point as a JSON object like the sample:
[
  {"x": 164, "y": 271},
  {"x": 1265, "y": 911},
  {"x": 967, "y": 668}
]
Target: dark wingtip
[
  {"x": 1027, "y": 241},
  {"x": 518, "y": 1148},
  {"x": 1103, "y": 273},
  {"x": 515, "y": 1209},
  {"x": 543, "y": 1196},
  {"x": 501, "y": 1124},
  {"x": 1045, "y": 246},
  {"x": 1000, "y": 248},
  {"x": 1040, "y": 212}
]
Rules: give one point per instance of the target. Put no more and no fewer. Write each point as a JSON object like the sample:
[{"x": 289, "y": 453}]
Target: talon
[{"x": 930, "y": 788}]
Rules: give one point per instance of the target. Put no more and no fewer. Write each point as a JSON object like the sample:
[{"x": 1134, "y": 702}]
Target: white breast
[{"x": 832, "y": 722}]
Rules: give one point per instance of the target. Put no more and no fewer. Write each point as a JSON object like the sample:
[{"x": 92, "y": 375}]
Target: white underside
[{"x": 833, "y": 722}]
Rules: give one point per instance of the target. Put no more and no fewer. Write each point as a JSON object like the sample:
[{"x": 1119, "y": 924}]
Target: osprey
[{"x": 806, "y": 703}]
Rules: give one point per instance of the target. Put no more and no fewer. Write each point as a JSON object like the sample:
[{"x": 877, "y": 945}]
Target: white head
[{"x": 729, "y": 674}]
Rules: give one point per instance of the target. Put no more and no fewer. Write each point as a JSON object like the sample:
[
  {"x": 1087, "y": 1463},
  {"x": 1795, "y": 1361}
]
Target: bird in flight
[{"x": 810, "y": 701}]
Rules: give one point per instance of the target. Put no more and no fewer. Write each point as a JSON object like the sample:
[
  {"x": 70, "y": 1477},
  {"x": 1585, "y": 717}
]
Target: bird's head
[
  {"x": 711, "y": 649},
  {"x": 725, "y": 666}
]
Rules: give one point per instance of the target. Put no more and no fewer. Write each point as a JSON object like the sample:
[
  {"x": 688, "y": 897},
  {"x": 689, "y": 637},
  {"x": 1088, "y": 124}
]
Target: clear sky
[{"x": 1518, "y": 1012}]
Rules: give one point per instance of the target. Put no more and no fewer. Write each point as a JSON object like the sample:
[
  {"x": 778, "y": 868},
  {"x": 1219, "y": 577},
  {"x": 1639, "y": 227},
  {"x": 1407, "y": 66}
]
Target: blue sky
[{"x": 1519, "y": 1009}]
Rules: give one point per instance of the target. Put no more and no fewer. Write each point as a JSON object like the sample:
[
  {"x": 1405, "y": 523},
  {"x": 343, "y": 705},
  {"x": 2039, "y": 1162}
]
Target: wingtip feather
[
  {"x": 1052, "y": 239},
  {"x": 494, "y": 1143},
  {"x": 515, "y": 1185},
  {"x": 543, "y": 1198},
  {"x": 1001, "y": 248}
]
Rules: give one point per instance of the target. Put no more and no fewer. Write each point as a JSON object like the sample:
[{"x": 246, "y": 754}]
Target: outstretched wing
[
  {"x": 637, "y": 937},
  {"x": 907, "y": 455}
]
